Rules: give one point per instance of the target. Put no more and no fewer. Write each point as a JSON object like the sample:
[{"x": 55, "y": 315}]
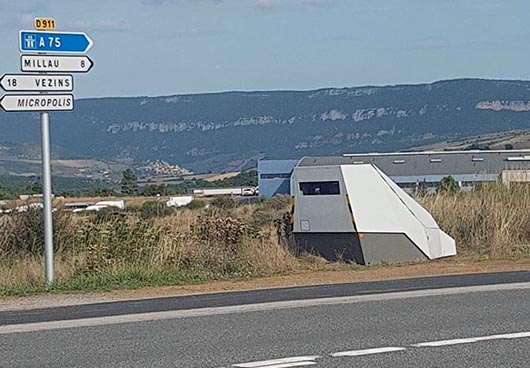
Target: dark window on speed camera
[{"x": 320, "y": 188}]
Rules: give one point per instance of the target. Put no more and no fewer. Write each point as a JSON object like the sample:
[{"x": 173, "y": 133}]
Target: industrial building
[{"x": 410, "y": 169}]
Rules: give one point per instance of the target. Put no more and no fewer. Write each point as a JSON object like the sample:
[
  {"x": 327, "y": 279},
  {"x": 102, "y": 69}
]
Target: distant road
[{"x": 450, "y": 321}]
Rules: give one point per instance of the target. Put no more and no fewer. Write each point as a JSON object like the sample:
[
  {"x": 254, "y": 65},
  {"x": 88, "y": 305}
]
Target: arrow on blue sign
[{"x": 61, "y": 42}]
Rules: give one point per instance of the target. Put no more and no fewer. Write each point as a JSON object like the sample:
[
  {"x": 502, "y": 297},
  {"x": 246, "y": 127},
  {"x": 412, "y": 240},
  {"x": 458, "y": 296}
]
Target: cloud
[
  {"x": 24, "y": 21},
  {"x": 319, "y": 2},
  {"x": 197, "y": 33},
  {"x": 276, "y": 4},
  {"x": 429, "y": 42},
  {"x": 164, "y": 2},
  {"x": 261, "y": 4},
  {"x": 268, "y": 4},
  {"x": 157, "y": 2},
  {"x": 102, "y": 25},
  {"x": 38, "y": 7},
  {"x": 15, "y": 14},
  {"x": 346, "y": 37},
  {"x": 23, "y": 7}
]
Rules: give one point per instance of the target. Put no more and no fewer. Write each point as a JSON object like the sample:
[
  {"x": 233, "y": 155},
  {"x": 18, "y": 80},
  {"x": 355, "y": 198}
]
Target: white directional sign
[
  {"x": 45, "y": 49},
  {"x": 37, "y": 102},
  {"x": 37, "y": 82},
  {"x": 55, "y": 64}
]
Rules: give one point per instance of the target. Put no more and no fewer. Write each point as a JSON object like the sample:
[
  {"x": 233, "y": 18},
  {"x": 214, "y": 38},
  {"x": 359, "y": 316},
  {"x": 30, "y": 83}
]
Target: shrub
[
  {"x": 106, "y": 214},
  {"x": 270, "y": 210},
  {"x": 152, "y": 209},
  {"x": 194, "y": 204},
  {"x": 448, "y": 185},
  {"x": 224, "y": 202},
  {"x": 119, "y": 241},
  {"x": 23, "y": 233}
]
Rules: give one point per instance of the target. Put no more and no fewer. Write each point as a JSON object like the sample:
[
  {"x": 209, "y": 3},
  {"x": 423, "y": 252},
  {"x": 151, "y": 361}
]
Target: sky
[{"x": 165, "y": 47}]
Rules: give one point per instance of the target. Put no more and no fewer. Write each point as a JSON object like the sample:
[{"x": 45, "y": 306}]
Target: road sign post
[
  {"x": 38, "y": 44},
  {"x": 47, "y": 198}
]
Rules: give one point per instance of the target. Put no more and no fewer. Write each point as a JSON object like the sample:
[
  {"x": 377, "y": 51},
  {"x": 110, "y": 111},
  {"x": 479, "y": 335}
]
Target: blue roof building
[{"x": 274, "y": 176}]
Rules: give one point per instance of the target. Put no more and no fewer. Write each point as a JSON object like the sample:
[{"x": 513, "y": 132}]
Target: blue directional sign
[{"x": 60, "y": 42}]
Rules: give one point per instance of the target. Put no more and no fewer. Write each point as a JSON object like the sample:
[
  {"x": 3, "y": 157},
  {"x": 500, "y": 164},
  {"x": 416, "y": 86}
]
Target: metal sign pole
[
  {"x": 44, "y": 41},
  {"x": 47, "y": 197}
]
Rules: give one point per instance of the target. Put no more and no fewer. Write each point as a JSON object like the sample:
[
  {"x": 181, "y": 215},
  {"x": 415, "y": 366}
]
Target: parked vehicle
[{"x": 249, "y": 191}]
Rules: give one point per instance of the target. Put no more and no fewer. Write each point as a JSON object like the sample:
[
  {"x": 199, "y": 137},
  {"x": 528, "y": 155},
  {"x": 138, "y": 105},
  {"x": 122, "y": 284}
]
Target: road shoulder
[{"x": 306, "y": 278}]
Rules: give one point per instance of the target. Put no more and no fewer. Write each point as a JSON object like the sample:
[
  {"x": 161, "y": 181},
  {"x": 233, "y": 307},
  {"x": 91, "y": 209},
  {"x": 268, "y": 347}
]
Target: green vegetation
[
  {"x": 152, "y": 245},
  {"x": 151, "y": 209},
  {"x": 126, "y": 279},
  {"x": 245, "y": 178},
  {"x": 130, "y": 187},
  {"x": 224, "y": 202},
  {"x": 448, "y": 185},
  {"x": 13, "y": 186},
  {"x": 162, "y": 189},
  {"x": 129, "y": 183}
]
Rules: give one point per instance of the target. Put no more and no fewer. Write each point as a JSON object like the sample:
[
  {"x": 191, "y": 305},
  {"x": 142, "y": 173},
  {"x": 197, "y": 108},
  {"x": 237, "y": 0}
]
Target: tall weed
[{"x": 492, "y": 221}]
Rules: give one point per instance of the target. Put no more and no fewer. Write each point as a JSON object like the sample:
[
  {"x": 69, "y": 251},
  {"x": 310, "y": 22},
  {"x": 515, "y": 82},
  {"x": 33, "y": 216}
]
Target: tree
[
  {"x": 35, "y": 187},
  {"x": 448, "y": 185},
  {"x": 153, "y": 190},
  {"x": 129, "y": 182}
]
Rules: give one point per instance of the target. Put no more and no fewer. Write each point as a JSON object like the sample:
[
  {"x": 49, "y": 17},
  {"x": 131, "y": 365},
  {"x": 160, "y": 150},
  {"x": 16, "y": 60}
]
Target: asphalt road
[
  {"x": 371, "y": 326},
  {"x": 258, "y": 296}
]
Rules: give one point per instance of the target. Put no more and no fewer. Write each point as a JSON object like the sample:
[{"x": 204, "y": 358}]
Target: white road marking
[
  {"x": 310, "y": 360},
  {"x": 470, "y": 340},
  {"x": 247, "y": 308},
  {"x": 367, "y": 352},
  {"x": 281, "y": 363},
  {"x": 287, "y": 365}
]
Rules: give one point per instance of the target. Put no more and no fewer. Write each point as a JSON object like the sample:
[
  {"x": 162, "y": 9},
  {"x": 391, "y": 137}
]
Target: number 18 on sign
[
  {"x": 44, "y": 50},
  {"x": 37, "y": 82}
]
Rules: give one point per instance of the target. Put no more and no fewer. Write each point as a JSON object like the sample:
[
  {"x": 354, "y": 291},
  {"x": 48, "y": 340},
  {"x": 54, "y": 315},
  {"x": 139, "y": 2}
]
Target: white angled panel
[
  {"x": 418, "y": 211},
  {"x": 439, "y": 243},
  {"x": 377, "y": 208}
]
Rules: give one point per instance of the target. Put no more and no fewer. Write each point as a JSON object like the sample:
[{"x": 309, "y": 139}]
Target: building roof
[{"x": 432, "y": 163}]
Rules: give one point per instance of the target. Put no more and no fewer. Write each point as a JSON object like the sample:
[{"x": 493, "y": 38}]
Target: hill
[
  {"x": 230, "y": 131},
  {"x": 494, "y": 141}
]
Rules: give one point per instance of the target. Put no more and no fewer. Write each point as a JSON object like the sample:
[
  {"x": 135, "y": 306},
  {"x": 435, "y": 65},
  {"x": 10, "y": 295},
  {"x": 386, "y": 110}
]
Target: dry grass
[
  {"x": 241, "y": 241},
  {"x": 492, "y": 222}
]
